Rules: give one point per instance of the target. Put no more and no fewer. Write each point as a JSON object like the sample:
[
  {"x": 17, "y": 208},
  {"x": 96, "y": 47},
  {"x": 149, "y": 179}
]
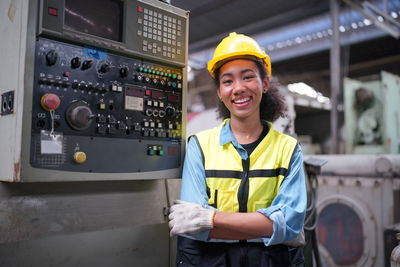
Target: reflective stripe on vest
[{"x": 237, "y": 185}]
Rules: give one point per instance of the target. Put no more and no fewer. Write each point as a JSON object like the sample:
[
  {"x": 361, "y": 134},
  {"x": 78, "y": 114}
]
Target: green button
[
  {"x": 174, "y": 76},
  {"x": 157, "y": 72},
  {"x": 166, "y": 74},
  {"x": 151, "y": 152},
  {"x": 144, "y": 70},
  {"x": 169, "y": 74},
  {"x": 161, "y": 152},
  {"x": 140, "y": 69},
  {"x": 153, "y": 71}
]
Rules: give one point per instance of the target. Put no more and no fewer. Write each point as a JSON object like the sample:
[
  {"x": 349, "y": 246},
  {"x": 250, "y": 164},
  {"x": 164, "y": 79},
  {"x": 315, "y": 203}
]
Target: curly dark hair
[{"x": 272, "y": 104}]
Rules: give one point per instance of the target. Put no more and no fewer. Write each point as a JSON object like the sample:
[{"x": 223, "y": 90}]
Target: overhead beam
[{"x": 386, "y": 26}]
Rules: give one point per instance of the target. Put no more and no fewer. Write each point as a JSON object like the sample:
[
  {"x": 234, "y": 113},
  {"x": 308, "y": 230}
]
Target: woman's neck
[{"x": 246, "y": 131}]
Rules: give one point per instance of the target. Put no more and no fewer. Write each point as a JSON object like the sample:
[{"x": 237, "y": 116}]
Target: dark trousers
[{"x": 242, "y": 254}]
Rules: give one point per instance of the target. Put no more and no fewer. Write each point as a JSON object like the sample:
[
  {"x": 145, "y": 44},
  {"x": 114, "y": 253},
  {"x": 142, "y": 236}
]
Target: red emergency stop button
[{"x": 50, "y": 101}]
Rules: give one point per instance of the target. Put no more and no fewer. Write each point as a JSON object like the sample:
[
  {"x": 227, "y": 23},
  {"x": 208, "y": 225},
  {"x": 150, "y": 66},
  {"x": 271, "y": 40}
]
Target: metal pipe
[
  {"x": 383, "y": 165},
  {"x": 335, "y": 74}
]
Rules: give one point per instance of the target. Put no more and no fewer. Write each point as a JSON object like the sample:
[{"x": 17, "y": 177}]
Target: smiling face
[{"x": 241, "y": 88}]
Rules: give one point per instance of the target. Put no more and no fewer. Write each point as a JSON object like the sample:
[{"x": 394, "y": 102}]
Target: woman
[{"x": 243, "y": 195}]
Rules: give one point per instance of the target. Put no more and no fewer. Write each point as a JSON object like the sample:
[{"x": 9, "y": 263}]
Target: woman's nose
[{"x": 237, "y": 87}]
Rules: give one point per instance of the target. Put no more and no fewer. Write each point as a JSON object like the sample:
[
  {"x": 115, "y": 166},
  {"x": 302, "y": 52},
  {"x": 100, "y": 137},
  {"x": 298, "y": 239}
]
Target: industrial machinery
[
  {"x": 372, "y": 116},
  {"x": 93, "y": 93},
  {"x": 92, "y": 130},
  {"x": 357, "y": 200}
]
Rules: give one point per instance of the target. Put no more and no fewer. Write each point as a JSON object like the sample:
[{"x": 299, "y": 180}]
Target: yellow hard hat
[{"x": 236, "y": 45}]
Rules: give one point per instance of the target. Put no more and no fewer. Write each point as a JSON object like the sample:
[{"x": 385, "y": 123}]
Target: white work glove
[{"x": 189, "y": 218}]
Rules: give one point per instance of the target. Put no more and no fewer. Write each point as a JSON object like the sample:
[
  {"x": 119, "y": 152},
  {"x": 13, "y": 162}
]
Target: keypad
[{"x": 162, "y": 34}]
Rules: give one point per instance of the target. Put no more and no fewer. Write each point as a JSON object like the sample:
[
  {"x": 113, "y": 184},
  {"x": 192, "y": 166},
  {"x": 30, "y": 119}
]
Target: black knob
[
  {"x": 51, "y": 57},
  {"x": 83, "y": 86},
  {"x": 96, "y": 88},
  {"x": 103, "y": 89},
  {"x": 90, "y": 87},
  {"x": 75, "y": 85},
  {"x": 75, "y": 62},
  {"x": 170, "y": 111},
  {"x": 123, "y": 72},
  {"x": 79, "y": 115},
  {"x": 87, "y": 64},
  {"x": 104, "y": 68}
]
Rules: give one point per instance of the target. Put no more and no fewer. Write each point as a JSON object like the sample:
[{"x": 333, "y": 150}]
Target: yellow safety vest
[{"x": 237, "y": 185}]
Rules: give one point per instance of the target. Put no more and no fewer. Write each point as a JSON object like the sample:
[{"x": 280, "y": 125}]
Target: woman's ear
[
  {"x": 219, "y": 94},
  {"x": 265, "y": 84}
]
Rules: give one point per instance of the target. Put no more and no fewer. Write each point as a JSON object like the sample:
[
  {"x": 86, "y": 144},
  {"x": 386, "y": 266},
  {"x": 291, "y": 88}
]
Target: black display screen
[{"x": 102, "y": 18}]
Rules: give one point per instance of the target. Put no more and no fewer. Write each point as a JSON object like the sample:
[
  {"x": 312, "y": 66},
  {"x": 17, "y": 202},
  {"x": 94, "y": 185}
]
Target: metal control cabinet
[{"x": 92, "y": 96}]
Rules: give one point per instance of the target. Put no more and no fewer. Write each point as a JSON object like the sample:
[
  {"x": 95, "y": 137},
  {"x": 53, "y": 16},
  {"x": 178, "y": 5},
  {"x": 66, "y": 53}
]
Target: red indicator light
[
  {"x": 148, "y": 92},
  {"x": 52, "y": 11},
  {"x": 140, "y": 9},
  {"x": 66, "y": 74}
]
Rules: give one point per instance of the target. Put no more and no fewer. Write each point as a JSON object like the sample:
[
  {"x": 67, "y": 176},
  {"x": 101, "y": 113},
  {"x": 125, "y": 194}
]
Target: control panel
[{"x": 98, "y": 111}]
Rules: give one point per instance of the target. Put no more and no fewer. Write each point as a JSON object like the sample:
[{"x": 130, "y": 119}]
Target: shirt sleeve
[
  {"x": 287, "y": 210},
  {"x": 194, "y": 182}
]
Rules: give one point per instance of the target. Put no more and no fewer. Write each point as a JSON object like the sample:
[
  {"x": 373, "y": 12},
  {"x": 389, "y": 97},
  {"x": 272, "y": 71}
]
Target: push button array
[{"x": 162, "y": 33}]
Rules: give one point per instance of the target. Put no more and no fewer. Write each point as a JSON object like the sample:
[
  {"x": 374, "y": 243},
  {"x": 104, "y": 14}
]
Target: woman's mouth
[{"x": 241, "y": 100}]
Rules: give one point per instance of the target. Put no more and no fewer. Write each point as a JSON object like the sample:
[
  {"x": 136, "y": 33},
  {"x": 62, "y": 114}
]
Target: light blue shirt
[{"x": 287, "y": 210}]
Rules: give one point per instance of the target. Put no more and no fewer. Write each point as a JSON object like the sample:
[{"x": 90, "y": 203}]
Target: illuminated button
[
  {"x": 161, "y": 104},
  {"x": 102, "y": 106},
  {"x": 79, "y": 157},
  {"x": 157, "y": 72},
  {"x": 146, "y": 124},
  {"x": 52, "y": 11},
  {"x": 173, "y": 76},
  {"x": 140, "y": 9},
  {"x": 160, "y": 152},
  {"x": 151, "y": 152},
  {"x": 155, "y": 104},
  {"x": 148, "y": 92},
  {"x": 66, "y": 74},
  {"x": 159, "y": 125},
  {"x": 140, "y": 69},
  {"x": 149, "y": 103},
  {"x": 152, "y": 124}
]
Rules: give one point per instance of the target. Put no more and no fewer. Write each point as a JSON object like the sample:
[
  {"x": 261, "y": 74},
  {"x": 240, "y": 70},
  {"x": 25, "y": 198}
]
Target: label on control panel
[
  {"x": 51, "y": 143},
  {"x": 133, "y": 103}
]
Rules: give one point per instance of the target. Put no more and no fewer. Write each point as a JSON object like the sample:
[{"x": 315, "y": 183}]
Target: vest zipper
[{"x": 243, "y": 193}]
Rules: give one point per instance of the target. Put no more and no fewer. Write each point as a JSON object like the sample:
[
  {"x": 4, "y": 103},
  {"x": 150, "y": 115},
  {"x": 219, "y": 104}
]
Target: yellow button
[
  {"x": 80, "y": 157},
  {"x": 102, "y": 106}
]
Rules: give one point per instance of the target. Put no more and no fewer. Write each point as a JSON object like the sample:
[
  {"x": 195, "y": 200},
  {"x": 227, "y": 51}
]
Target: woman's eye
[
  {"x": 249, "y": 77},
  {"x": 225, "y": 82}
]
